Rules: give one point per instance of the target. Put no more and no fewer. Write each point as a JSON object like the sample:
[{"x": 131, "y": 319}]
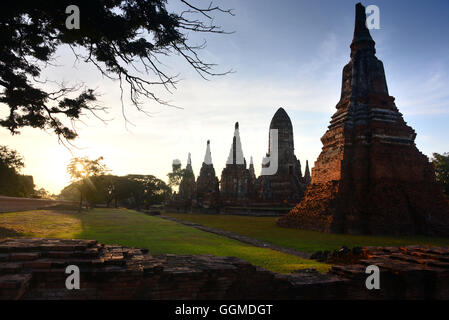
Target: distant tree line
[
  {"x": 91, "y": 186},
  {"x": 130, "y": 191}
]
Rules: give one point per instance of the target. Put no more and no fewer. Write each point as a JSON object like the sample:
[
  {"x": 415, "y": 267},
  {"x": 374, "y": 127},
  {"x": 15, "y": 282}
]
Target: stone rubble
[{"x": 35, "y": 269}]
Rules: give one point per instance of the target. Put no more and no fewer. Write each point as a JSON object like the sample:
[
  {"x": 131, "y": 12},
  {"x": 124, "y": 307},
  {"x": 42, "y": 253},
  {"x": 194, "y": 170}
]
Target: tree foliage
[
  {"x": 42, "y": 194},
  {"x": 123, "y": 39},
  {"x": 82, "y": 172},
  {"x": 175, "y": 176},
  {"x": 12, "y": 183},
  {"x": 441, "y": 165},
  {"x": 11, "y": 159},
  {"x": 131, "y": 191},
  {"x": 152, "y": 189}
]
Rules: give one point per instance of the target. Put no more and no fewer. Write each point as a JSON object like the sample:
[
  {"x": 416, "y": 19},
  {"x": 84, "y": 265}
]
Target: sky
[{"x": 283, "y": 53}]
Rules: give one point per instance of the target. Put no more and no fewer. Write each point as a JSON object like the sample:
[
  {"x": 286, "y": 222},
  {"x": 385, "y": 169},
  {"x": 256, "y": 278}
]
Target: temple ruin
[
  {"x": 287, "y": 184},
  {"x": 370, "y": 178},
  {"x": 187, "y": 186},
  {"x": 235, "y": 177},
  {"x": 239, "y": 186},
  {"x": 207, "y": 185}
]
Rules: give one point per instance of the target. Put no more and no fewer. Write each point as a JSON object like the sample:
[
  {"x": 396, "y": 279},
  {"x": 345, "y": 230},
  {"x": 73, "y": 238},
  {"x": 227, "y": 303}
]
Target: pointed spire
[
  {"x": 189, "y": 163},
  {"x": 362, "y": 37},
  {"x": 236, "y": 152},
  {"x": 307, "y": 177},
  {"x": 252, "y": 173},
  {"x": 208, "y": 155}
]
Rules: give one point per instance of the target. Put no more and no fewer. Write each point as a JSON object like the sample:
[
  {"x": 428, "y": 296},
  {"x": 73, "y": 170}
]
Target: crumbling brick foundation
[{"x": 35, "y": 269}]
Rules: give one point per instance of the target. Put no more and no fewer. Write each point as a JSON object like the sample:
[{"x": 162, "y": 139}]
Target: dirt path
[{"x": 238, "y": 237}]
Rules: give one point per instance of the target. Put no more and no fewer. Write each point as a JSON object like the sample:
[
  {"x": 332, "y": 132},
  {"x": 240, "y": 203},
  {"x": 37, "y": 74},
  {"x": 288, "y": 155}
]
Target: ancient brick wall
[{"x": 35, "y": 269}]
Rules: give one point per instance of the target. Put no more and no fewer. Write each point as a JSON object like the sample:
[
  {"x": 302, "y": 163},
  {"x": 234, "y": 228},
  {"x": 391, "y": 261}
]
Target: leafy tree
[
  {"x": 441, "y": 165},
  {"x": 24, "y": 186},
  {"x": 11, "y": 159},
  {"x": 12, "y": 183},
  {"x": 175, "y": 177},
  {"x": 126, "y": 192},
  {"x": 123, "y": 39},
  {"x": 42, "y": 194},
  {"x": 132, "y": 191},
  {"x": 70, "y": 193},
  {"x": 82, "y": 172},
  {"x": 152, "y": 190}
]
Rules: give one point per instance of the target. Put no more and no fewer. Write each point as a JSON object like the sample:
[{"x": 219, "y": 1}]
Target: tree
[
  {"x": 175, "y": 177},
  {"x": 441, "y": 165},
  {"x": 131, "y": 191},
  {"x": 126, "y": 192},
  {"x": 70, "y": 193},
  {"x": 152, "y": 190},
  {"x": 121, "y": 38},
  {"x": 42, "y": 194},
  {"x": 11, "y": 159},
  {"x": 82, "y": 172},
  {"x": 12, "y": 183}
]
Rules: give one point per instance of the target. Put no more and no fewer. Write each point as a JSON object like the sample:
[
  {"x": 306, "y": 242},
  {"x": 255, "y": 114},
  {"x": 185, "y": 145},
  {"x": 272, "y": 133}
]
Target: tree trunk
[{"x": 81, "y": 202}]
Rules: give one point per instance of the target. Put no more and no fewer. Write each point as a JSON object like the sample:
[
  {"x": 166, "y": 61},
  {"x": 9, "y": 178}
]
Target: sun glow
[
  {"x": 79, "y": 167},
  {"x": 51, "y": 172}
]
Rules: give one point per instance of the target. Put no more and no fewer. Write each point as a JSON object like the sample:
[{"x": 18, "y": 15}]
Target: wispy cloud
[{"x": 425, "y": 94}]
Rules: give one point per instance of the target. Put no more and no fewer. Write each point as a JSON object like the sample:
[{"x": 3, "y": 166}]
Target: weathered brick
[
  {"x": 370, "y": 178},
  {"x": 24, "y": 256}
]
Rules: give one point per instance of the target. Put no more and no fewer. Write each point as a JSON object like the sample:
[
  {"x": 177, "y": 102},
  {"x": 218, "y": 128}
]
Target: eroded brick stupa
[
  {"x": 370, "y": 178},
  {"x": 187, "y": 186},
  {"x": 287, "y": 184},
  {"x": 235, "y": 178},
  {"x": 207, "y": 186}
]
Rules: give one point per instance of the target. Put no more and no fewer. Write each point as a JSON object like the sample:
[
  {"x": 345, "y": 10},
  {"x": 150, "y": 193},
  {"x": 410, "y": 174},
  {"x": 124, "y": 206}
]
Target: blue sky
[{"x": 284, "y": 53}]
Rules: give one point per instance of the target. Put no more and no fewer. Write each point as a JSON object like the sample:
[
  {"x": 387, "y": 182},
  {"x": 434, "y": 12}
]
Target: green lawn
[
  {"x": 134, "y": 229},
  {"x": 265, "y": 228}
]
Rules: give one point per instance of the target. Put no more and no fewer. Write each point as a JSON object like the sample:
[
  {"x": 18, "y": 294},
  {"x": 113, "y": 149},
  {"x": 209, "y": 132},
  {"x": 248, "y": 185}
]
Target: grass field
[
  {"x": 134, "y": 229},
  {"x": 265, "y": 228}
]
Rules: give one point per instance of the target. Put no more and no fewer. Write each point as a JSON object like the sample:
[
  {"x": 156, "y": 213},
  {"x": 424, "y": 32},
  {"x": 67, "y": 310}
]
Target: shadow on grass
[{"x": 134, "y": 229}]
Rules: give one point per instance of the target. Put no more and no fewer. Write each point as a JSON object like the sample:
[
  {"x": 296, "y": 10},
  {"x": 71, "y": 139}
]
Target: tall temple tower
[
  {"x": 235, "y": 177},
  {"x": 187, "y": 187},
  {"x": 287, "y": 184},
  {"x": 370, "y": 178},
  {"x": 207, "y": 183}
]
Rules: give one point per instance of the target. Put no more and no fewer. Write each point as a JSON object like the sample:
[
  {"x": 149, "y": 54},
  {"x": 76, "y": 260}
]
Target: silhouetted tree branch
[{"x": 116, "y": 36}]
